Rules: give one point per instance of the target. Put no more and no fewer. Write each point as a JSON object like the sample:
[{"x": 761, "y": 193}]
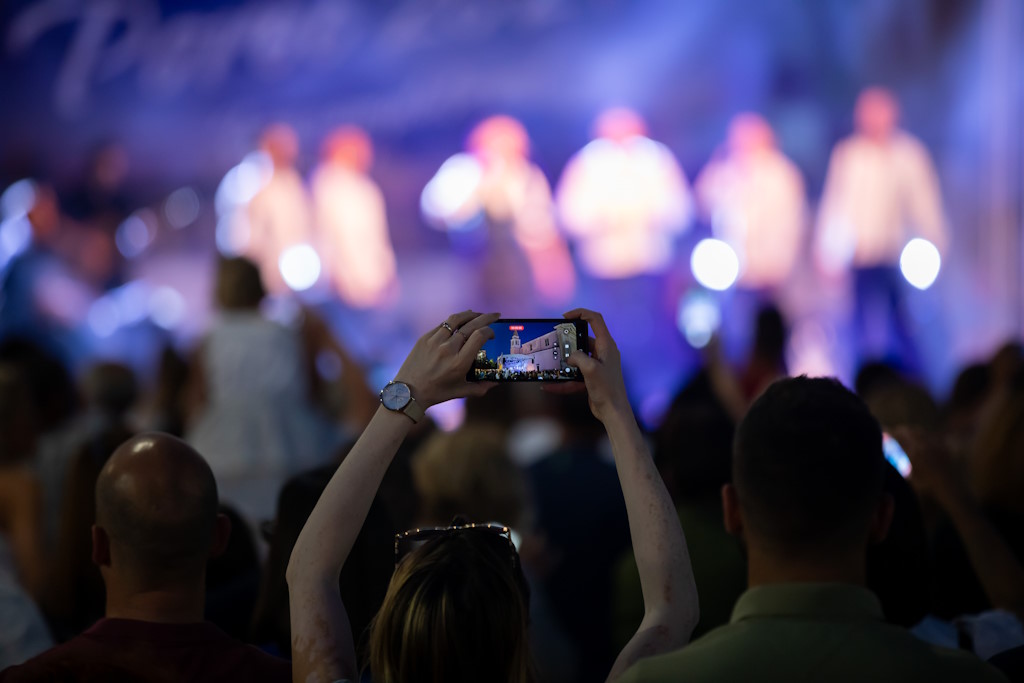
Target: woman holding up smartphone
[{"x": 456, "y": 608}]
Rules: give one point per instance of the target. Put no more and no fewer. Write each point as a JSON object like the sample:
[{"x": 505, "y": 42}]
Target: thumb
[{"x": 580, "y": 360}]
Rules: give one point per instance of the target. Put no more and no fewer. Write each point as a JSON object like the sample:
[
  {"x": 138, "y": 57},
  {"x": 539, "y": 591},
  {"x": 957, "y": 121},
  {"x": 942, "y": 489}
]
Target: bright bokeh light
[
  {"x": 15, "y": 235},
  {"x": 243, "y": 182},
  {"x": 300, "y": 267},
  {"x": 104, "y": 318},
  {"x": 714, "y": 264},
  {"x": 166, "y": 307},
  {"x": 451, "y": 187},
  {"x": 181, "y": 208},
  {"x": 920, "y": 263},
  {"x": 698, "y": 318},
  {"x": 133, "y": 236},
  {"x": 18, "y": 198},
  {"x": 448, "y": 416}
]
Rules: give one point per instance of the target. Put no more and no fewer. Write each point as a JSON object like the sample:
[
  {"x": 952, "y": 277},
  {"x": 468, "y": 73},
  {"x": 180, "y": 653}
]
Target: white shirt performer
[
  {"x": 279, "y": 214},
  {"x": 351, "y": 220},
  {"x": 497, "y": 180},
  {"x": 881, "y": 190},
  {"x": 625, "y": 199},
  {"x": 754, "y": 198}
]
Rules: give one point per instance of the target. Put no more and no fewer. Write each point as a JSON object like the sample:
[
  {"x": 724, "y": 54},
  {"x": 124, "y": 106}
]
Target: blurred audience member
[
  {"x": 156, "y": 527},
  {"x": 580, "y": 531},
  {"x": 75, "y": 597},
  {"x": 364, "y": 578},
  {"x": 753, "y": 197},
  {"x": 692, "y": 449},
  {"x": 253, "y": 415},
  {"x": 280, "y": 214},
  {"x": 164, "y": 411},
  {"x": 351, "y": 221},
  {"x": 881, "y": 190},
  {"x": 624, "y": 199},
  {"x": 806, "y": 500},
  {"x": 998, "y": 568},
  {"x": 58, "y": 430},
  {"x": 468, "y": 473},
  {"x": 22, "y": 559},
  {"x": 233, "y": 579}
]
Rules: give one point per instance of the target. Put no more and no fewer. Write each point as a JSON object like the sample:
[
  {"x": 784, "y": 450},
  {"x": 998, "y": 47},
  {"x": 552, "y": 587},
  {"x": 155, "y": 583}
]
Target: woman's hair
[
  {"x": 455, "y": 612},
  {"x": 238, "y": 284}
]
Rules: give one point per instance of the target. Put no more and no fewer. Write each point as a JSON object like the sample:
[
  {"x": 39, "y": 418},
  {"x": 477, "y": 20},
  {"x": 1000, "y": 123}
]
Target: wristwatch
[{"x": 397, "y": 396}]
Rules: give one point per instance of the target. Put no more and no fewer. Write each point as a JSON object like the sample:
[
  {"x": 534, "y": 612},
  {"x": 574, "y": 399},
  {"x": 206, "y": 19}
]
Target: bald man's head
[{"x": 156, "y": 499}]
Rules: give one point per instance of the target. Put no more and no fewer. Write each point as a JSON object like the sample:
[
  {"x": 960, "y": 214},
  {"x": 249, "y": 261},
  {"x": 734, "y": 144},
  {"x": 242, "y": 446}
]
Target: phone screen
[
  {"x": 895, "y": 454},
  {"x": 531, "y": 350}
]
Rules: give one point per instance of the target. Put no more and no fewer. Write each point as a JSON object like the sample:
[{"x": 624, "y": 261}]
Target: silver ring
[
  {"x": 448, "y": 327},
  {"x": 461, "y": 334}
]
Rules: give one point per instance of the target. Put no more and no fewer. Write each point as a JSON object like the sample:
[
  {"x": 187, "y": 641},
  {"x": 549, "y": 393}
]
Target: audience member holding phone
[{"x": 455, "y": 609}]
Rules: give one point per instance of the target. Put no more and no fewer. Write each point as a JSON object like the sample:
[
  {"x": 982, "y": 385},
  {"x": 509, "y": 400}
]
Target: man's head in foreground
[
  {"x": 156, "y": 526},
  {"x": 806, "y": 496}
]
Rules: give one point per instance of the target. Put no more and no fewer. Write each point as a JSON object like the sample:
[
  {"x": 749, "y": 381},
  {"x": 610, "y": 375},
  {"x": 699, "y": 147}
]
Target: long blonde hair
[{"x": 454, "y": 613}]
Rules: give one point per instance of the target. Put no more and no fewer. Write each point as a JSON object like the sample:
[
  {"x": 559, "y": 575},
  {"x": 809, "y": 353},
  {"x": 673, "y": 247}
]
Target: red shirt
[{"x": 130, "y": 650}]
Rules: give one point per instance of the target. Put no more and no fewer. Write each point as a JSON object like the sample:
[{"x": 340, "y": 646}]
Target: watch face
[{"x": 395, "y": 396}]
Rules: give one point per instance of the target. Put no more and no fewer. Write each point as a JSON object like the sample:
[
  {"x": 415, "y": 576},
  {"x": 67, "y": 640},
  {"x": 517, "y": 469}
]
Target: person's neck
[
  {"x": 184, "y": 604},
  {"x": 765, "y": 568}
]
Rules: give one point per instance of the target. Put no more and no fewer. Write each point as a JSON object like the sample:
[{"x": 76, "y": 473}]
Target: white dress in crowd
[
  {"x": 352, "y": 224},
  {"x": 258, "y": 426},
  {"x": 278, "y": 218},
  {"x": 624, "y": 203},
  {"x": 757, "y": 205},
  {"x": 877, "y": 197}
]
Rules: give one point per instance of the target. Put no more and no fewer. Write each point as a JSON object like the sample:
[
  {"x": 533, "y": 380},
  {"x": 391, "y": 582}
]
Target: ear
[
  {"x": 881, "y": 518},
  {"x": 100, "y": 547},
  {"x": 731, "y": 511},
  {"x": 221, "y": 535}
]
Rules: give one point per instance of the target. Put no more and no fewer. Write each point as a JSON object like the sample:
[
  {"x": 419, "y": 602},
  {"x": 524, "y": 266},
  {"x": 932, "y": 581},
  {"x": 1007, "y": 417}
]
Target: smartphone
[
  {"x": 531, "y": 350},
  {"x": 895, "y": 454}
]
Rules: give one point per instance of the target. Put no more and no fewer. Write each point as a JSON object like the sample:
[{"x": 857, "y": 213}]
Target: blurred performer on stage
[
  {"x": 497, "y": 180},
  {"x": 754, "y": 199},
  {"x": 625, "y": 199},
  {"x": 351, "y": 221},
  {"x": 279, "y": 214},
  {"x": 881, "y": 190}
]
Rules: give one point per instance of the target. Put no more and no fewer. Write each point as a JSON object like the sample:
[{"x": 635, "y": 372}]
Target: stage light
[
  {"x": 448, "y": 191},
  {"x": 714, "y": 264},
  {"x": 920, "y": 263},
  {"x": 698, "y": 318},
  {"x": 242, "y": 182},
  {"x": 181, "y": 208},
  {"x": 166, "y": 307},
  {"x": 15, "y": 235},
  {"x": 18, "y": 199},
  {"x": 300, "y": 267},
  {"x": 104, "y": 317},
  {"x": 133, "y": 236}
]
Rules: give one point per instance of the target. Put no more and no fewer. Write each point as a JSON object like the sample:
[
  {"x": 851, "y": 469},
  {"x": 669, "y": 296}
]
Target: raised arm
[
  {"x": 999, "y": 571},
  {"x": 666, "y": 577},
  {"x": 322, "y": 642}
]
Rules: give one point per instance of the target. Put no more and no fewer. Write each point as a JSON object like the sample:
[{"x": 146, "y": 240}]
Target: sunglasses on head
[{"x": 497, "y": 534}]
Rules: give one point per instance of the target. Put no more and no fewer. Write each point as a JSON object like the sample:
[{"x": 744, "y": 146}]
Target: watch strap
[{"x": 414, "y": 411}]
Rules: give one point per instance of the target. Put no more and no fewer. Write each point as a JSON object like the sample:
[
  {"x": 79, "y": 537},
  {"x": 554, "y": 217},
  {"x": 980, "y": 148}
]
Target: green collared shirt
[{"x": 810, "y": 632}]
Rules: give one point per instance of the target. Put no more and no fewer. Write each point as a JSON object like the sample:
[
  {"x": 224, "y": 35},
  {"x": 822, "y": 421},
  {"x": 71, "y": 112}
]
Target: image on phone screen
[
  {"x": 531, "y": 350},
  {"x": 895, "y": 454}
]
